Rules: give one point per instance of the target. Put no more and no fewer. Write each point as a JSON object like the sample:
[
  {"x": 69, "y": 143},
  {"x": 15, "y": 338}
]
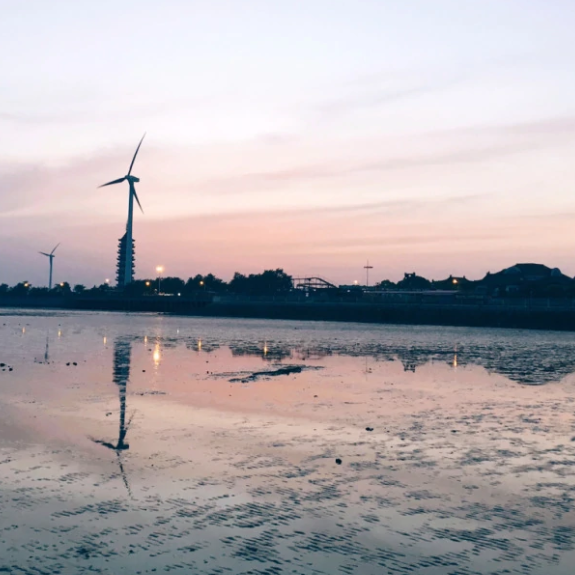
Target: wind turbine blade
[
  {"x": 134, "y": 158},
  {"x": 136, "y": 198},
  {"x": 113, "y": 182},
  {"x": 44, "y": 254},
  {"x": 54, "y": 248}
]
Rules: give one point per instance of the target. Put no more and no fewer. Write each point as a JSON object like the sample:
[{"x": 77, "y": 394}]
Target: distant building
[
  {"x": 121, "y": 261},
  {"x": 526, "y": 278}
]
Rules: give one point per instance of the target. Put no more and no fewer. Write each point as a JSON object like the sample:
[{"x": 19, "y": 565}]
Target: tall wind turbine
[
  {"x": 51, "y": 256},
  {"x": 128, "y": 272}
]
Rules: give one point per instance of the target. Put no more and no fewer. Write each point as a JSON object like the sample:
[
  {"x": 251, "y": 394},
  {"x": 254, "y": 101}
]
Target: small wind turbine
[
  {"x": 51, "y": 256},
  {"x": 128, "y": 274}
]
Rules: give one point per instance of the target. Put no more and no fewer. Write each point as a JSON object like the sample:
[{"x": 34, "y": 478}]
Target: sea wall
[{"x": 528, "y": 314}]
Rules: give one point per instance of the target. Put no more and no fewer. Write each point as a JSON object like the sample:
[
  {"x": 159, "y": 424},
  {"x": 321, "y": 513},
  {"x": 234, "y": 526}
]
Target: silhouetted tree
[
  {"x": 239, "y": 284},
  {"x": 172, "y": 285},
  {"x": 267, "y": 283},
  {"x": 207, "y": 283},
  {"x": 38, "y": 292},
  {"x": 140, "y": 287},
  {"x": 21, "y": 289},
  {"x": 4, "y": 289},
  {"x": 386, "y": 284},
  {"x": 213, "y": 283},
  {"x": 79, "y": 288},
  {"x": 62, "y": 288},
  {"x": 413, "y": 281}
]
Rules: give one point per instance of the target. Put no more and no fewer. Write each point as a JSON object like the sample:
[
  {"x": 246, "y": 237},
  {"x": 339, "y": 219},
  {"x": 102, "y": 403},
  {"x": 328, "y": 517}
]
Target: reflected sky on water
[
  {"x": 526, "y": 357},
  {"x": 187, "y": 445}
]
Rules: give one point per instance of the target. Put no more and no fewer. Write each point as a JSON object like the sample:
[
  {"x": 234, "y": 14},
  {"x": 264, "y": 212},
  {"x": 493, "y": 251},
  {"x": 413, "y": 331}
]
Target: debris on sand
[
  {"x": 369, "y": 428},
  {"x": 284, "y": 370},
  {"x": 338, "y": 461}
]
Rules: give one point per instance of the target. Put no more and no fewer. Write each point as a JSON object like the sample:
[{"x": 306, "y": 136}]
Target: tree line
[{"x": 269, "y": 282}]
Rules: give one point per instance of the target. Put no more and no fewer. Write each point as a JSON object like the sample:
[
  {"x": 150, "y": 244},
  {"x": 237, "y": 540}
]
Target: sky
[{"x": 309, "y": 135}]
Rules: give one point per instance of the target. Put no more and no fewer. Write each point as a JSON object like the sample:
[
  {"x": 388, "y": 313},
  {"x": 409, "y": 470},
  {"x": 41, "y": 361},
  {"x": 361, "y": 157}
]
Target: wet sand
[{"x": 157, "y": 452}]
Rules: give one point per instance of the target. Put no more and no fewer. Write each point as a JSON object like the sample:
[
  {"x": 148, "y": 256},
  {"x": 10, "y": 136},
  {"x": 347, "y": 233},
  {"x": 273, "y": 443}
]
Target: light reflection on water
[{"x": 157, "y": 355}]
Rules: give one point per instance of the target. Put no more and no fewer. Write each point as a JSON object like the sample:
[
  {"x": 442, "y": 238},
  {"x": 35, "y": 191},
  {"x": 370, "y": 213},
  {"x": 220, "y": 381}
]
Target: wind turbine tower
[
  {"x": 126, "y": 243},
  {"x": 51, "y": 256}
]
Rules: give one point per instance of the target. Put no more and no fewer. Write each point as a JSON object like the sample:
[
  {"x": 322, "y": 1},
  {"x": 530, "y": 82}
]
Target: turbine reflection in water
[{"x": 121, "y": 375}]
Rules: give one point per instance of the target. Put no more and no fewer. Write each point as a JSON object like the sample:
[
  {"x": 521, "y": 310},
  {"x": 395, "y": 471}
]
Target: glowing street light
[{"x": 159, "y": 270}]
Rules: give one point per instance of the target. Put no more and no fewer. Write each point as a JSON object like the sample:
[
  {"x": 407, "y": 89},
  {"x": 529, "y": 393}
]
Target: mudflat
[{"x": 142, "y": 443}]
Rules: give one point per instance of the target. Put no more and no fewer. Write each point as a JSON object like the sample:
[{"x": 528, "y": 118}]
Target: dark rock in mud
[
  {"x": 369, "y": 428},
  {"x": 285, "y": 370},
  {"x": 338, "y": 461}
]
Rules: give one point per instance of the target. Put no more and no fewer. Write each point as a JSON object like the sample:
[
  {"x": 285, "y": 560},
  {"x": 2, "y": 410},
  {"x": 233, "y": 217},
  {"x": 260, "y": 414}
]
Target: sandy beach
[{"x": 146, "y": 444}]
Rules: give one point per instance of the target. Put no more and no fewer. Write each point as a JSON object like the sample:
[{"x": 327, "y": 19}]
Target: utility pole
[{"x": 367, "y": 268}]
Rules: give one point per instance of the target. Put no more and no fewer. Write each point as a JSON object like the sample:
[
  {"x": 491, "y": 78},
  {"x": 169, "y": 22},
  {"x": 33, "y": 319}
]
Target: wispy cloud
[{"x": 463, "y": 148}]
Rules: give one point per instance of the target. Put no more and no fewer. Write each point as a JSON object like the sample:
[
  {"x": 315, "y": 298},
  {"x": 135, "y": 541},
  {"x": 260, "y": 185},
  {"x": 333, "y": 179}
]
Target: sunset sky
[{"x": 311, "y": 135}]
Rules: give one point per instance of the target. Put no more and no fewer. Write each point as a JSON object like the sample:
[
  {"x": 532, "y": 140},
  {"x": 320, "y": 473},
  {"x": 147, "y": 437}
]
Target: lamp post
[
  {"x": 367, "y": 267},
  {"x": 159, "y": 270}
]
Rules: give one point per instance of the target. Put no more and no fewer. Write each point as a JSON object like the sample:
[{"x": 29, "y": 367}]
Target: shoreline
[{"x": 515, "y": 314}]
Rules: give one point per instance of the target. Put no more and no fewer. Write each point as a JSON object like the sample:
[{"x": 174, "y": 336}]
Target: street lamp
[{"x": 159, "y": 270}]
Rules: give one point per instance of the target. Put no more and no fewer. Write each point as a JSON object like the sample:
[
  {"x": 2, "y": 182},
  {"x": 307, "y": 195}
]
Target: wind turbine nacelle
[{"x": 132, "y": 179}]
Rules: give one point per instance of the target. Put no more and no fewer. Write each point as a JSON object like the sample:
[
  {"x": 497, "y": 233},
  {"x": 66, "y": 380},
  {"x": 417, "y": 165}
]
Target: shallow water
[{"x": 167, "y": 444}]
